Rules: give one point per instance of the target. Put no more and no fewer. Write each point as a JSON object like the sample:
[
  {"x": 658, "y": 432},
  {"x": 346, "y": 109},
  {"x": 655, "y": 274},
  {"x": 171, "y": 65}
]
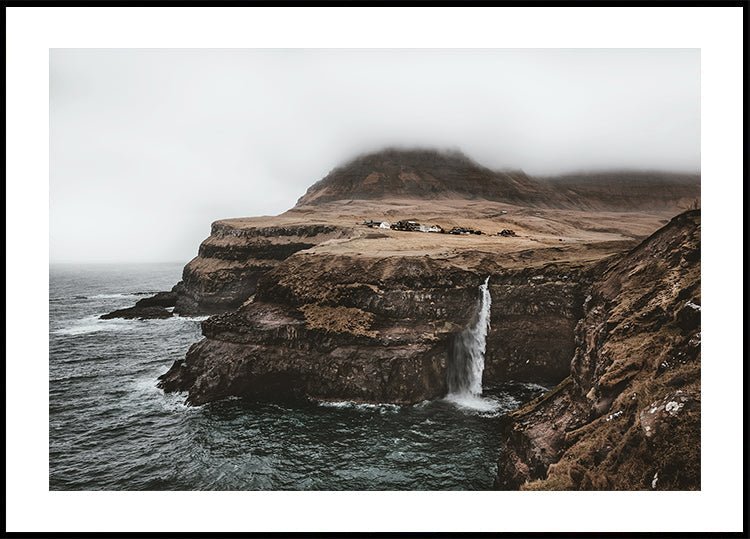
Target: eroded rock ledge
[
  {"x": 628, "y": 416},
  {"x": 231, "y": 260},
  {"x": 229, "y": 263}
]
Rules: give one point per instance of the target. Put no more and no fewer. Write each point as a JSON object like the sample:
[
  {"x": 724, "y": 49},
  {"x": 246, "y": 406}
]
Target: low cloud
[{"x": 149, "y": 146}]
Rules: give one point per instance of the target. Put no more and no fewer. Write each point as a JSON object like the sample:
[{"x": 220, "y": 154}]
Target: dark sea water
[{"x": 112, "y": 429}]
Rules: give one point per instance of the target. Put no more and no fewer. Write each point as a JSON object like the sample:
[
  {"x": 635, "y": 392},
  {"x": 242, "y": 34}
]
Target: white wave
[
  {"x": 147, "y": 385},
  {"x": 92, "y": 324},
  {"x": 166, "y": 322},
  {"x": 175, "y": 402},
  {"x": 359, "y": 405},
  {"x": 422, "y": 404},
  {"x": 110, "y": 296},
  {"x": 473, "y": 402},
  {"x": 172, "y": 402},
  {"x": 335, "y": 404},
  {"x": 189, "y": 318}
]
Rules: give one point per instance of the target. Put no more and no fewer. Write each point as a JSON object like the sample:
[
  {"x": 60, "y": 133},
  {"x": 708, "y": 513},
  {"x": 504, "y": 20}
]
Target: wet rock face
[
  {"x": 160, "y": 299},
  {"x": 631, "y": 408},
  {"x": 536, "y": 436},
  {"x": 533, "y": 319}
]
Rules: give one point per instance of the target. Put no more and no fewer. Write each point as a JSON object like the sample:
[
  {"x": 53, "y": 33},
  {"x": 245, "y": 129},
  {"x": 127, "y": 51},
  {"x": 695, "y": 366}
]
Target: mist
[{"x": 148, "y": 147}]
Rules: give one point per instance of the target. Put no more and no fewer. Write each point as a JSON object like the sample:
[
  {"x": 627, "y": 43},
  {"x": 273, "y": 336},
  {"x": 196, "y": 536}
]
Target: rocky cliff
[
  {"x": 628, "y": 416},
  {"x": 380, "y": 329},
  {"x": 333, "y": 327},
  {"x": 232, "y": 259},
  {"x": 533, "y": 318}
]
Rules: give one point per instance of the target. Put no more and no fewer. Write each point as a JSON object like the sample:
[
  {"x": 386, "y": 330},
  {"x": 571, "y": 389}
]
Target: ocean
[{"x": 111, "y": 428}]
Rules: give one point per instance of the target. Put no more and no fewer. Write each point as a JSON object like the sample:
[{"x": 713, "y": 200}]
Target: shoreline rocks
[
  {"x": 147, "y": 308},
  {"x": 141, "y": 313}
]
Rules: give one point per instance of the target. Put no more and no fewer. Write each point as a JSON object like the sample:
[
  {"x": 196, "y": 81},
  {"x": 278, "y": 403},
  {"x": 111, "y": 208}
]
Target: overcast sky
[{"x": 148, "y": 147}]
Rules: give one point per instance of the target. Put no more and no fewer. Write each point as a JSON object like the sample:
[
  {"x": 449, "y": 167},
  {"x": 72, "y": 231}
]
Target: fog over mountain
[{"x": 148, "y": 147}]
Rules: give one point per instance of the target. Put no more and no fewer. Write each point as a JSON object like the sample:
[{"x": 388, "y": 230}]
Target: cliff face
[
  {"x": 231, "y": 260},
  {"x": 628, "y": 416},
  {"x": 334, "y": 327},
  {"x": 380, "y": 329},
  {"x": 533, "y": 318}
]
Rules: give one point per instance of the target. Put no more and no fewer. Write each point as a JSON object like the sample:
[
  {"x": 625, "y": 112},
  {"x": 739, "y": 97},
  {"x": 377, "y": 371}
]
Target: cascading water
[{"x": 466, "y": 363}]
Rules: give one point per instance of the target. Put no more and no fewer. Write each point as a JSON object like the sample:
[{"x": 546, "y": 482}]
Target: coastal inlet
[{"x": 112, "y": 429}]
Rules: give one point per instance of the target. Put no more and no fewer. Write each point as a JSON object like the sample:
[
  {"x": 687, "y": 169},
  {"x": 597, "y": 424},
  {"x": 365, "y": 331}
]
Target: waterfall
[{"x": 466, "y": 362}]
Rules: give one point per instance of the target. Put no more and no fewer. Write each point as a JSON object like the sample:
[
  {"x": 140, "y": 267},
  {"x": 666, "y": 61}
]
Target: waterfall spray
[{"x": 467, "y": 356}]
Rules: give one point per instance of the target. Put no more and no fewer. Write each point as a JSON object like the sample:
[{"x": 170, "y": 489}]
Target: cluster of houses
[
  {"x": 413, "y": 226},
  {"x": 377, "y": 224}
]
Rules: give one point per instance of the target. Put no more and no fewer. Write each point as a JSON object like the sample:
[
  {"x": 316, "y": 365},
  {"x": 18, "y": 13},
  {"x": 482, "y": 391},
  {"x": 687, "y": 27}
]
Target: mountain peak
[
  {"x": 413, "y": 173},
  {"x": 428, "y": 174}
]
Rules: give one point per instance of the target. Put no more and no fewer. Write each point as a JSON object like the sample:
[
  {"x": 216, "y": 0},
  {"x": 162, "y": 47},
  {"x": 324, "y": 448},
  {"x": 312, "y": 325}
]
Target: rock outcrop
[
  {"x": 311, "y": 294},
  {"x": 141, "y": 313},
  {"x": 334, "y": 327},
  {"x": 147, "y": 308},
  {"x": 232, "y": 259},
  {"x": 628, "y": 416},
  {"x": 533, "y": 318}
]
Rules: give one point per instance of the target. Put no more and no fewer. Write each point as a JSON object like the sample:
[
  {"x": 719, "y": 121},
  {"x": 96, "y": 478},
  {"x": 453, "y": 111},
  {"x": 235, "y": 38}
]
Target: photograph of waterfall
[
  {"x": 506, "y": 313},
  {"x": 339, "y": 270}
]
